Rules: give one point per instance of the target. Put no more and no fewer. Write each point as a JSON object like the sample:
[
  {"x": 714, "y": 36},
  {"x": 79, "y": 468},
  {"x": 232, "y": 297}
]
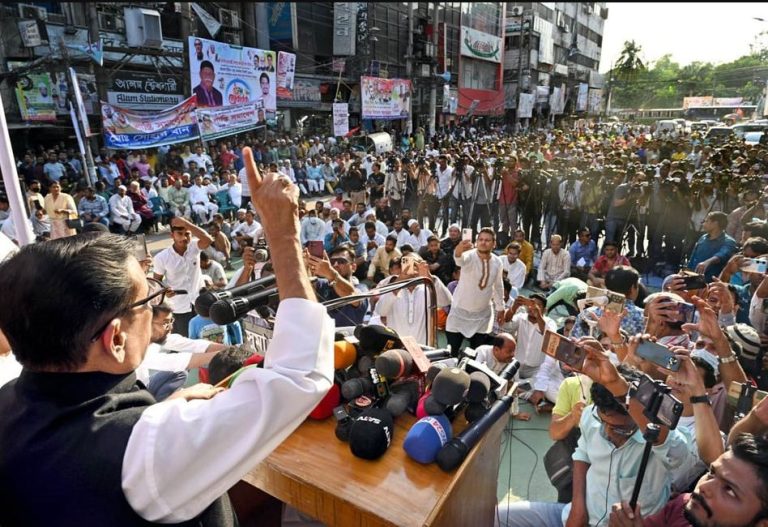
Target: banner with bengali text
[
  {"x": 126, "y": 129},
  {"x": 229, "y": 120}
]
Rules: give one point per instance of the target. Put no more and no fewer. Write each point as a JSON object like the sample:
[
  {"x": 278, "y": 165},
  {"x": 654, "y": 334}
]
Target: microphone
[
  {"x": 455, "y": 452},
  {"x": 510, "y": 370},
  {"x": 436, "y": 355},
  {"x": 245, "y": 289},
  {"x": 394, "y": 363},
  {"x": 479, "y": 386},
  {"x": 227, "y": 311}
]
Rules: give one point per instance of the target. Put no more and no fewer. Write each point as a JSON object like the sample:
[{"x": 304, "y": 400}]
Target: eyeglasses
[
  {"x": 156, "y": 296},
  {"x": 624, "y": 431},
  {"x": 168, "y": 322}
]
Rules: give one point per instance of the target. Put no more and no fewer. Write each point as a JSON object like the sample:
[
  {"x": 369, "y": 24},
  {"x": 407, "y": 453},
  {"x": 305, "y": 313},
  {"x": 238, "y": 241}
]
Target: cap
[
  {"x": 426, "y": 437},
  {"x": 746, "y": 338},
  {"x": 371, "y": 434},
  {"x": 241, "y": 210},
  {"x": 122, "y": 187},
  {"x": 411, "y": 223}
]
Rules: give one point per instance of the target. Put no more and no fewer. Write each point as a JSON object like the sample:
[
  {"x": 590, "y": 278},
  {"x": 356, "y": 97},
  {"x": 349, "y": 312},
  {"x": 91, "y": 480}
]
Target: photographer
[
  {"x": 608, "y": 455},
  {"x": 107, "y": 446}
]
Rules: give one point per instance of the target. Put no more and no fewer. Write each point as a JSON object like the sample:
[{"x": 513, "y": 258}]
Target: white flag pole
[{"x": 16, "y": 200}]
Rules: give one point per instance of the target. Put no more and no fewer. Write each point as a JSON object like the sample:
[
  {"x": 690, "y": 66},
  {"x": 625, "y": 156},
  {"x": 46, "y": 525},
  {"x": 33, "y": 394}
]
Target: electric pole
[
  {"x": 433, "y": 84},
  {"x": 409, "y": 70}
]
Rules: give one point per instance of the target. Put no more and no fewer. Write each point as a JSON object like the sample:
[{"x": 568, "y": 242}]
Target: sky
[{"x": 712, "y": 32}]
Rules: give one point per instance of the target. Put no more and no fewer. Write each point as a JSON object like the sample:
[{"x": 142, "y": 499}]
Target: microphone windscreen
[
  {"x": 394, "y": 364},
  {"x": 433, "y": 370},
  {"x": 402, "y": 396},
  {"x": 433, "y": 407},
  {"x": 371, "y": 434},
  {"x": 426, "y": 437},
  {"x": 450, "y": 386},
  {"x": 344, "y": 354},
  {"x": 375, "y": 339},
  {"x": 475, "y": 411},
  {"x": 324, "y": 408},
  {"x": 420, "y": 411},
  {"x": 354, "y": 388},
  {"x": 479, "y": 385},
  {"x": 222, "y": 313},
  {"x": 343, "y": 428},
  {"x": 364, "y": 364}
]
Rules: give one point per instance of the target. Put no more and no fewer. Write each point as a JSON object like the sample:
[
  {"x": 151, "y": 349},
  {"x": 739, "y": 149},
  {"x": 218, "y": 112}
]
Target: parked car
[
  {"x": 753, "y": 138},
  {"x": 718, "y": 134},
  {"x": 742, "y": 128}
]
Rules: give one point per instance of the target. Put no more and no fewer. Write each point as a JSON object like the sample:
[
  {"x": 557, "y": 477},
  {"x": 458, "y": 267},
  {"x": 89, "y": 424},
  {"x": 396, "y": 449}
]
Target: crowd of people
[{"x": 512, "y": 230}]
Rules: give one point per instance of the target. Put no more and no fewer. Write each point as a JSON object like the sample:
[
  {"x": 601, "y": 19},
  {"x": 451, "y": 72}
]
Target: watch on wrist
[
  {"x": 703, "y": 399},
  {"x": 729, "y": 359}
]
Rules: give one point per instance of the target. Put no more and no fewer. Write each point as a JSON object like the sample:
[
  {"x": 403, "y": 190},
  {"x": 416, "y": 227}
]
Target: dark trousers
[
  {"x": 181, "y": 323},
  {"x": 455, "y": 340}
]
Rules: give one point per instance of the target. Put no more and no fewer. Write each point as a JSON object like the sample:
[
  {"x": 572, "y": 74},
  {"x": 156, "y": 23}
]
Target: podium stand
[{"x": 317, "y": 474}]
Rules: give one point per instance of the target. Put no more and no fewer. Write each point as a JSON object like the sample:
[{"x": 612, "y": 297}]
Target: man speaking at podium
[{"x": 84, "y": 444}]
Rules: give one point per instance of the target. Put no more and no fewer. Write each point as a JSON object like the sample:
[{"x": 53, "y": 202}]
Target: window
[
  {"x": 482, "y": 16},
  {"x": 479, "y": 74}
]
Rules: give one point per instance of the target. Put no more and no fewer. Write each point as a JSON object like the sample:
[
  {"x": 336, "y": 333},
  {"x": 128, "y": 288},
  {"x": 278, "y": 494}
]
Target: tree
[{"x": 629, "y": 64}]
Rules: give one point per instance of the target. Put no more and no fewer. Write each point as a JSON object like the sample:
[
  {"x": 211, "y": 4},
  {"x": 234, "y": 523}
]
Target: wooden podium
[{"x": 317, "y": 474}]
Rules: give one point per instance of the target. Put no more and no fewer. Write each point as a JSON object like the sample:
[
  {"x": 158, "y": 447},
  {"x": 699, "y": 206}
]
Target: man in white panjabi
[{"x": 479, "y": 296}]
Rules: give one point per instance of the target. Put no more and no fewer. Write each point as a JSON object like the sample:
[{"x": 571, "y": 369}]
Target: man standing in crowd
[
  {"x": 714, "y": 248},
  {"x": 478, "y": 296},
  {"x": 77, "y": 429},
  {"x": 179, "y": 264}
]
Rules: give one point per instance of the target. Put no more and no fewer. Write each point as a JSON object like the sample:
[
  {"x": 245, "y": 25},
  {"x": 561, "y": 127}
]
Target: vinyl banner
[
  {"x": 229, "y": 120},
  {"x": 125, "y": 128},
  {"x": 286, "y": 68},
  {"x": 581, "y": 100},
  {"x": 705, "y": 100},
  {"x": 225, "y": 75},
  {"x": 385, "y": 98},
  {"x": 525, "y": 105},
  {"x": 145, "y": 91},
  {"x": 35, "y": 95},
  {"x": 340, "y": 119}
]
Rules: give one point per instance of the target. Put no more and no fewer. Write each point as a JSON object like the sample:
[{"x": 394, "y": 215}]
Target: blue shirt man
[
  {"x": 714, "y": 249},
  {"x": 583, "y": 249},
  {"x": 93, "y": 208}
]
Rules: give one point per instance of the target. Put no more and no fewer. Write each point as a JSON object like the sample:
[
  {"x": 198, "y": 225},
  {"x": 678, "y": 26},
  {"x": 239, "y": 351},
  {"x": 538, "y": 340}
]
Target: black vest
[{"x": 62, "y": 441}]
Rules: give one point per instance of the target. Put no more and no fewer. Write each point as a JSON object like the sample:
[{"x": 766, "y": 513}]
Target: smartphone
[
  {"x": 141, "y": 252},
  {"x": 754, "y": 265},
  {"x": 686, "y": 312},
  {"x": 563, "y": 349},
  {"x": 613, "y": 302},
  {"x": 694, "y": 281},
  {"x": 466, "y": 235},
  {"x": 315, "y": 248},
  {"x": 408, "y": 265},
  {"x": 658, "y": 354}
]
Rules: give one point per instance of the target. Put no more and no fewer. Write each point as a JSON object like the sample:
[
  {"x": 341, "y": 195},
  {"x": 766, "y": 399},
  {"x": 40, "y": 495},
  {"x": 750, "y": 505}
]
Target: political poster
[
  {"x": 385, "y": 98},
  {"x": 226, "y": 75},
  {"x": 525, "y": 105},
  {"x": 595, "y": 100},
  {"x": 695, "y": 102},
  {"x": 125, "y": 128},
  {"x": 340, "y": 119},
  {"x": 229, "y": 120},
  {"x": 286, "y": 69},
  {"x": 35, "y": 96},
  {"x": 88, "y": 92}
]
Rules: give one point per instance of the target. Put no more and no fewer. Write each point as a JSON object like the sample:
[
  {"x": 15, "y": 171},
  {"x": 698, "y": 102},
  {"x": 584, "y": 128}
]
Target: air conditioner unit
[
  {"x": 33, "y": 12},
  {"x": 143, "y": 28},
  {"x": 588, "y": 8},
  {"x": 111, "y": 22},
  {"x": 604, "y": 13},
  {"x": 516, "y": 10},
  {"x": 229, "y": 18},
  {"x": 560, "y": 20},
  {"x": 231, "y": 37}
]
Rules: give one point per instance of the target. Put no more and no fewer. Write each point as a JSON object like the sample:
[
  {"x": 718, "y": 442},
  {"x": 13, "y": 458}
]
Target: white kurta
[
  {"x": 472, "y": 309},
  {"x": 405, "y": 310},
  {"x": 242, "y": 425}
]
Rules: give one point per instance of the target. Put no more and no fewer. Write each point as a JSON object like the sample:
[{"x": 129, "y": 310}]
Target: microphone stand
[{"x": 650, "y": 435}]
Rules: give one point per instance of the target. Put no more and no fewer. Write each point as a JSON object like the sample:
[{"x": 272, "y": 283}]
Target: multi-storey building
[{"x": 554, "y": 48}]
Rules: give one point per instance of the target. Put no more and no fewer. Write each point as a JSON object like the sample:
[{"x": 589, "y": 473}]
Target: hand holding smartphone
[
  {"x": 564, "y": 349},
  {"x": 466, "y": 235},
  {"x": 141, "y": 252},
  {"x": 658, "y": 354}
]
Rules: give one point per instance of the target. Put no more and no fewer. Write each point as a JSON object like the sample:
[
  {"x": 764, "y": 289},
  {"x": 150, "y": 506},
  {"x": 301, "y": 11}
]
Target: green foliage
[{"x": 664, "y": 83}]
